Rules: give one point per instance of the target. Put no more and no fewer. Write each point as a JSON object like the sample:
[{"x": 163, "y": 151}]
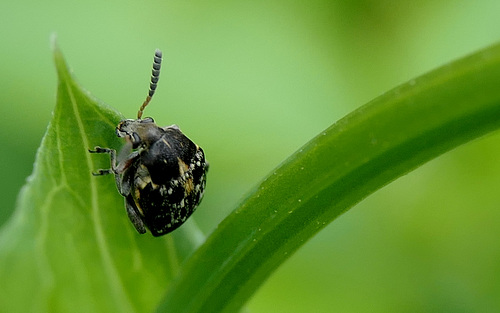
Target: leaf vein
[{"x": 119, "y": 293}]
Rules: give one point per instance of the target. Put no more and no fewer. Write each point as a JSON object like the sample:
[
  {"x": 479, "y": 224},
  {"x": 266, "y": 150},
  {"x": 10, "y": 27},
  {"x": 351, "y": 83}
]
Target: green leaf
[
  {"x": 69, "y": 246},
  {"x": 361, "y": 153}
]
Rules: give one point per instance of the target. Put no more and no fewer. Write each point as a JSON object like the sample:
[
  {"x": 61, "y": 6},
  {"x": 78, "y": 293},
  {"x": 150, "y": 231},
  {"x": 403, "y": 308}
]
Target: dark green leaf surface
[
  {"x": 69, "y": 246},
  {"x": 361, "y": 153}
]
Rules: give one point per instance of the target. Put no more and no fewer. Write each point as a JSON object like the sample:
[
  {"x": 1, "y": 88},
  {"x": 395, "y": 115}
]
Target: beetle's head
[{"x": 140, "y": 132}]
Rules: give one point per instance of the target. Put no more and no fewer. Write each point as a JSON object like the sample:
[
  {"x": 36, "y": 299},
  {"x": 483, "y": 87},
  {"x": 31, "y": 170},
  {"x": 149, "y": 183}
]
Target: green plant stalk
[{"x": 374, "y": 145}]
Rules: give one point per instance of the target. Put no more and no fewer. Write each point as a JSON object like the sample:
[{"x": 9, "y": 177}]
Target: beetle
[{"x": 160, "y": 172}]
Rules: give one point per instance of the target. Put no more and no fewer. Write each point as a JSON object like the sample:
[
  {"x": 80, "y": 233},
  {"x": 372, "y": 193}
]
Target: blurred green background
[{"x": 251, "y": 81}]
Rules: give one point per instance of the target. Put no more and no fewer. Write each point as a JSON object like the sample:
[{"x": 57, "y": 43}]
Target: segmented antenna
[{"x": 155, "y": 76}]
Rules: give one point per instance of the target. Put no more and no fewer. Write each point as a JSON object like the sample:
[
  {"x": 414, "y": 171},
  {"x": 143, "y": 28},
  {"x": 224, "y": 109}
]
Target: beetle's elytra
[{"x": 160, "y": 172}]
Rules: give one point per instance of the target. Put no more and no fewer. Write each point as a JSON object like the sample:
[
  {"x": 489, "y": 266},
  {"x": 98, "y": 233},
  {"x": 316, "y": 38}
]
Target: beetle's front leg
[{"x": 112, "y": 155}]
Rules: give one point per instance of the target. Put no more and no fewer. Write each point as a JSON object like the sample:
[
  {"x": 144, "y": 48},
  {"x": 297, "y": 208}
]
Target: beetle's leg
[
  {"x": 115, "y": 168},
  {"x": 98, "y": 149},
  {"x": 125, "y": 182},
  {"x": 112, "y": 154},
  {"x": 134, "y": 216},
  {"x": 102, "y": 172}
]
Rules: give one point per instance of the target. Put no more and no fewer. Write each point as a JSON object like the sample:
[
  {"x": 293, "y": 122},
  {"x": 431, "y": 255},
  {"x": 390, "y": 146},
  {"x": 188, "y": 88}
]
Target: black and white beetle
[{"x": 160, "y": 172}]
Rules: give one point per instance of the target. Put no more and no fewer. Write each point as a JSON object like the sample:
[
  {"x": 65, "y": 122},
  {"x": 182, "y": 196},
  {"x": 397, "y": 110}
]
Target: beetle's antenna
[{"x": 155, "y": 75}]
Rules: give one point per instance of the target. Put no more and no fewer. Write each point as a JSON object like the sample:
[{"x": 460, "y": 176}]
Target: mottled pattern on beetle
[
  {"x": 160, "y": 172},
  {"x": 164, "y": 207}
]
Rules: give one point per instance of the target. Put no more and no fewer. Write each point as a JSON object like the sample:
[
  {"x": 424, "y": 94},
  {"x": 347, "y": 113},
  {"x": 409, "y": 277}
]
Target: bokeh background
[{"x": 252, "y": 81}]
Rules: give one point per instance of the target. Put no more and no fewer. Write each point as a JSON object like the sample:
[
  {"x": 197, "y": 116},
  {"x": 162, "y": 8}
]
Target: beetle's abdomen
[{"x": 167, "y": 202}]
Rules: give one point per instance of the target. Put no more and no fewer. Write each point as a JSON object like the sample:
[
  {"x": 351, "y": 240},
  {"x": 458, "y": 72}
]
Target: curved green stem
[{"x": 361, "y": 153}]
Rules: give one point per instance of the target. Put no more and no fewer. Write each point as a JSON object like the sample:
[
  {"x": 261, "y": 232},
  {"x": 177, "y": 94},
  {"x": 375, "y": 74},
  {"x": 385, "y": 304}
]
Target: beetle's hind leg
[
  {"x": 134, "y": 216},
  {"x": 112, "y": 155}
]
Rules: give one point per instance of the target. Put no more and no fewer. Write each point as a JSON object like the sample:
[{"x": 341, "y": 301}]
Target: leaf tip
[
  {"x": 55, "y": 47},
  {"x": 53, "y": 41},
  {"x": 61, "y": 66}
]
